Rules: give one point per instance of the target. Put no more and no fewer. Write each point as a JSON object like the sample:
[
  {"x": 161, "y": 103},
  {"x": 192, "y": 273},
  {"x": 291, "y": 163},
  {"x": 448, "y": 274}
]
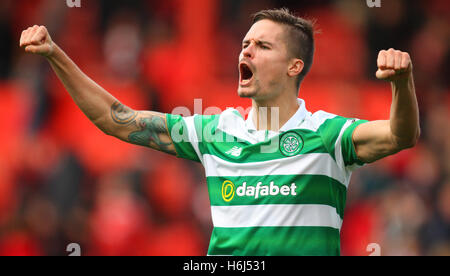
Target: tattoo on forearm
[
  {"x": 146, "y": 130},
  {"x": 148, "y": 134},
  {"x": 122, "y": 114}
]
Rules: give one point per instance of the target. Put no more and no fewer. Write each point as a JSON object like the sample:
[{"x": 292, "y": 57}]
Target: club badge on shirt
[{"x": 291, "y": 143}]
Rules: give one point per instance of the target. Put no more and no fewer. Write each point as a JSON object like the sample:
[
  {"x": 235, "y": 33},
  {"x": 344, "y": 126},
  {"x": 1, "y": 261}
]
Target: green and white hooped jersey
[{"x": 272, "y": 193}]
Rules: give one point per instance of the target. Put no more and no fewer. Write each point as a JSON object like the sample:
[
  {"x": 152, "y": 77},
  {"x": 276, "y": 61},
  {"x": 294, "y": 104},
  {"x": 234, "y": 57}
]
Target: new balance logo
[{"x": 235, "y": 151}]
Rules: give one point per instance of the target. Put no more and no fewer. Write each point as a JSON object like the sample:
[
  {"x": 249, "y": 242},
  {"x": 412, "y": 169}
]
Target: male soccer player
[{"x": 273, "y": 190}]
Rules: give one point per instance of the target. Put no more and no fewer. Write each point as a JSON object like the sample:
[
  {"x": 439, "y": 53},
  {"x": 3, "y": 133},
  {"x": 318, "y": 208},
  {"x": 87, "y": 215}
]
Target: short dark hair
[{"x": 300, "y": 34}]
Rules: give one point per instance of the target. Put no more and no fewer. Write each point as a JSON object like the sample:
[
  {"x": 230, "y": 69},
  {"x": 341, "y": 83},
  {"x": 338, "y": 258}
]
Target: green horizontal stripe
[
  {"x": 275, "y": 241},
  {"x": 215, "y": 142},
  {"x": 310, "y": 189},
  {"x": 263, "y": 151}
]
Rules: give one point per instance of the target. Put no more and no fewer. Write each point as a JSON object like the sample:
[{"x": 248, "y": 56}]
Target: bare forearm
[
  {"x": 404, "y": 116},
  {"x": 93, "y": 100},
  {"x": 377, "y": 139},
  {"x": 145, "y": 128}
]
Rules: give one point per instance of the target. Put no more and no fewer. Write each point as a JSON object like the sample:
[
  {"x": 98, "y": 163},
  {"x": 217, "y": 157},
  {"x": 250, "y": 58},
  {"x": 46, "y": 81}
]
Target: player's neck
[{"x": 274, "y": 113}]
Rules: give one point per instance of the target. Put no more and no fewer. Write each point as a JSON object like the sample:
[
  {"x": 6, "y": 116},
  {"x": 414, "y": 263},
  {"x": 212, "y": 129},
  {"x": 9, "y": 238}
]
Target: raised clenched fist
[
  {"x": 393, "y": 65},
  {"x": 37, "y": 40}
]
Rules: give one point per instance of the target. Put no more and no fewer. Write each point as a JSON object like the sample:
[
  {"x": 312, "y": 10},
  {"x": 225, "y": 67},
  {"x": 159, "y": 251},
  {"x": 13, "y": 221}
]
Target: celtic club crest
[{"x": 291, "y": 143}]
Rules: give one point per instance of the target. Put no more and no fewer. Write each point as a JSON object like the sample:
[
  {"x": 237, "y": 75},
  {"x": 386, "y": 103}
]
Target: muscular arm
[
  {"x": 144, "y": 128},
  {"x": 377, "y": 139}
]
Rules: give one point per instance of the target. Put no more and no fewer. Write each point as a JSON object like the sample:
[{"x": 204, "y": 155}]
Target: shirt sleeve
[
  {"x": 337, "y": 135},
  {"x": 347, "y": 145},
  {"x": 183, "y": 134}
]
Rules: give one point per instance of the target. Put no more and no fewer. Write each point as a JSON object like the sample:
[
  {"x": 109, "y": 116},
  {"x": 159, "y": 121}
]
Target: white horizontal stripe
[
  {"x": 311, "y": 163},
  {"x": 275, "y": 215}
]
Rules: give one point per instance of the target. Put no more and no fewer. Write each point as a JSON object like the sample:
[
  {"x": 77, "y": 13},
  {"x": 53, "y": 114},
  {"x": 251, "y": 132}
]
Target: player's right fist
[{"x": 37, "y": 40}]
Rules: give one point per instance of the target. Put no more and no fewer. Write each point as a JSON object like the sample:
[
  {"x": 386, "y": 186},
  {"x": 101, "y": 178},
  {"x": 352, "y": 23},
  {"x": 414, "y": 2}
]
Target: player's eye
[{"x": 264, "y": 46}]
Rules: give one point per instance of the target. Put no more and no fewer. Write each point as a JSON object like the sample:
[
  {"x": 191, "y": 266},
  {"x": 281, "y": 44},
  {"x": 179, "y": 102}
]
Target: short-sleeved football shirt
[{"x": 272, "y": 193}]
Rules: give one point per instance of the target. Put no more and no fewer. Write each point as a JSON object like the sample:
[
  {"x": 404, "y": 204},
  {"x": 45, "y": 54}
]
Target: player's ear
[{"x": 295, "y": 67}]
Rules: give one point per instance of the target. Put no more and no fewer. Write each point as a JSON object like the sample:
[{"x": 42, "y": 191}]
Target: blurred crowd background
[{"x": 63, "y": 181}]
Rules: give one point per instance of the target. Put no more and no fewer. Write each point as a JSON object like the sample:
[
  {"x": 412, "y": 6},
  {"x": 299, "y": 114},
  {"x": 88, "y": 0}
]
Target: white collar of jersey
[
  {"x": 293, "y": 122},
  {"x": 231, "y": 122}
]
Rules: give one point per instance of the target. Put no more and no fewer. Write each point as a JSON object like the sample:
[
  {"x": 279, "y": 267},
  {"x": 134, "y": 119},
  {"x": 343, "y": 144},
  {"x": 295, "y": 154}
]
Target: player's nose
[{"x": 249, "y": 51}]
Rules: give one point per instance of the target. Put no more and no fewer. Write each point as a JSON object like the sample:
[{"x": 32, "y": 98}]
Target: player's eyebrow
[{"x": 258, "y": 42}]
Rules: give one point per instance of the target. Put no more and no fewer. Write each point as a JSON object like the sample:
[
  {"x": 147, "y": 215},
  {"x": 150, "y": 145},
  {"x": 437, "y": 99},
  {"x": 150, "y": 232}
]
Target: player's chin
[{"x": 246, "y": 92}]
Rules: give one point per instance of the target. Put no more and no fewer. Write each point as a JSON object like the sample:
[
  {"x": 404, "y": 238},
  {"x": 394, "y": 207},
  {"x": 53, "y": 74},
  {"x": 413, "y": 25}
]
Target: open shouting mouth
[{"x": 245, "y": 74}]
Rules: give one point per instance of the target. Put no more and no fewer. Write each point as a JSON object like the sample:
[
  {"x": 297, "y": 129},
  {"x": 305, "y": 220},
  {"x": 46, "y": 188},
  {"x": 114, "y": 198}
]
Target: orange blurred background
[{"x": 63, "y": 181}]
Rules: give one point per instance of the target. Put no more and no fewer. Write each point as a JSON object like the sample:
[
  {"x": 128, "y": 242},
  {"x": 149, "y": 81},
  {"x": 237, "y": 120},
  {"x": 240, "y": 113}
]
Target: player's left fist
[{"x": 393, "y": 65}]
